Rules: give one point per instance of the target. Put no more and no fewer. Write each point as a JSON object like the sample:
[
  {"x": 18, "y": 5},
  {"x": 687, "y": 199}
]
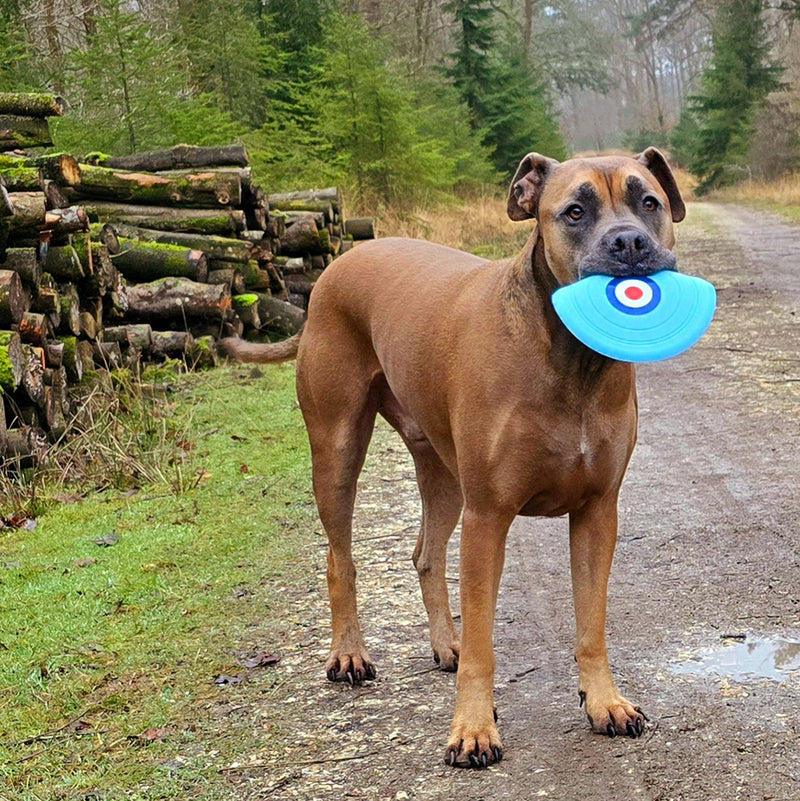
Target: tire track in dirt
[{"x": 708, "y": 545}]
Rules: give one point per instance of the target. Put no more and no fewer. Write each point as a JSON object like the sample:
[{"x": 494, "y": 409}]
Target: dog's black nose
[{"x": 629, "y": 246}]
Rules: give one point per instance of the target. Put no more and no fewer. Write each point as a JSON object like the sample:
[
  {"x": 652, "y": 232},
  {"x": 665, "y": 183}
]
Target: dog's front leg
[
  {"x": 474, "y": 739},
  {"x": 593, "y": 536}
]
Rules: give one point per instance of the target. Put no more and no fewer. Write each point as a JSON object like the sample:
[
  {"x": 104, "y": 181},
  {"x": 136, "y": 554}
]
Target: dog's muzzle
[{"x": 626, "y": 251}]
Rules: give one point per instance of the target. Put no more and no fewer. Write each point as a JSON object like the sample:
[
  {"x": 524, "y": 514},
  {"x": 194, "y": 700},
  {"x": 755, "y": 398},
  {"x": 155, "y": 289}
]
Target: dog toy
[{"x": 635, "y": 319}]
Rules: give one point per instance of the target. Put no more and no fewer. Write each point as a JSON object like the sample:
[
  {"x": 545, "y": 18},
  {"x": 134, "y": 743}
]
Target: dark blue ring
[{"x": 614, "y": 301}]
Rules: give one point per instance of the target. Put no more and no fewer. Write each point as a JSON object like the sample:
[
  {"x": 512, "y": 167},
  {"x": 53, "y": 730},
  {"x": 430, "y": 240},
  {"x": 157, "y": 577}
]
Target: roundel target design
[{"x": 633, "y": 295}]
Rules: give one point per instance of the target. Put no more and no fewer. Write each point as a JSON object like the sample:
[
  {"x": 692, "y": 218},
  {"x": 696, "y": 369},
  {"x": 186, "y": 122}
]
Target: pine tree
[
  {"x": 733, "y": 86},
  {"x": 16, "y": 66}
]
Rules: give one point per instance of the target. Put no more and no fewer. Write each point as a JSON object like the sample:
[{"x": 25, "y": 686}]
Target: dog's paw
[
  {"x": 473, "y": 746},
  {"x": 613, "y": 715},
  {"x": 446, "y": 656},
  {"x": 353, "y": 668}
]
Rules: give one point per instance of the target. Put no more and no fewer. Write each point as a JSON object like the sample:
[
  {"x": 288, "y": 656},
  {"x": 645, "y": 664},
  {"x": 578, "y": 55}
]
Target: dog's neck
[{"x": 527, "y": 294}]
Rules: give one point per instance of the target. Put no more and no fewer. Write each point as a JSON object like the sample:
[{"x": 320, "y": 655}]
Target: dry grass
[
  {"x": 783, "y": 192},
  {"x": 477, "y": 224}
]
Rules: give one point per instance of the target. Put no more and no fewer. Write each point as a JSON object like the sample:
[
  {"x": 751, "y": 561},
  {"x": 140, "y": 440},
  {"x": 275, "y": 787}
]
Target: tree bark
[
  {"x": 70, "y": 309},
  {"x": 108, "y": 235},
  {"x": 54, "y": 354},
  {"x": 309, "y": 200},
  {"x": 176, "y": 299},
  {"x": 73, "y": 363},
  {"x": 21, "y": 179},
  {"x": 246, "y": 306},
  {"x": 215, "y": 247},
  {"x": 107, "y": 355},
  {"x": 278, "y": 316},
  {"x": 140, "y": 335},
  {"x": 63, "y": 263},
  {"x": 24, "y": 447},
  {"x": 18, "y": 132},
  {"x": 172, "y": 344},
  {"x": 304, "y": 237},
  {"x": 146, "y": 261},
  {"x": 13, "y": 303},
  {"x": 35, "y": 329},
  {"x": 30, "y": 104},
  {"x": 62, "y": 168},
  {"x": 32, "y": 383},
  {"x": 360, "y": 227},
  {"x": 179, "y": 157},
  {"x": 187, "y": 189},
  {"x": 12, "y": 360},
  {"x": 28, "y": 211},
  {"x": 230, "y": 277},
  {"x": 24, "y": 262},
  {"x": 163, "y": 218}
]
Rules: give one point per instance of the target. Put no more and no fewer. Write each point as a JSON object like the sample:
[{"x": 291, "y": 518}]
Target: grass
[
  {"x": 108, "y": 653},
  {"x": 781, "y": 196}
]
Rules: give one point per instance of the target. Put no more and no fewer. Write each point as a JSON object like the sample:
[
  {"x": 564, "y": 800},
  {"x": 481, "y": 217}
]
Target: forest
[{"x": 401, "y": 101}]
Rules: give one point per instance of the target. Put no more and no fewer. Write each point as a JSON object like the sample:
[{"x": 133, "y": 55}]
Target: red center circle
[{"x": 633, "y": 293}]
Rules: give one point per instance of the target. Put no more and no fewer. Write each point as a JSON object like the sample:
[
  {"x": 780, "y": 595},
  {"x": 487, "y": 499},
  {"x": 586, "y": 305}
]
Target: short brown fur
[{"x": 503, "y": 411}]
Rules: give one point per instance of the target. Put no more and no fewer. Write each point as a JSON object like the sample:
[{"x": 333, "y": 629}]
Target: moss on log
[
  {"x": 13, "y": 301},
  {"x": 178, "y": 157},
  {"x": 12, "y": 360},
  {"x": 177, "y": 299},
  {"x": 146, "y": 261},
  {"x": 164, "y": 218},
  {"x": 31, "y": 104},
  {"x": 215, "y": 247},
  {"x": 17, "y": 131}
]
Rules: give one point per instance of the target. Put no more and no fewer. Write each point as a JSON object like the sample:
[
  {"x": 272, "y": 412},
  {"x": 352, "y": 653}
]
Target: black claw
[
  {"x": 582, "y": 696},
  {"x": 350, "y": 677},
  {"x": 331, "y": 675},
  {"x": 630, "y": 730},
  {"x": 473, "y": 760},
  {"x": 639, "y": 726},
  {"x": 498, "y": 754},
  {"x": 359, "y": 676},
  {"x": 436, "y": 658},
  {"x": 484, "y": 760},
  {"x": 611, "y": 731},
  {"x": 639, "y": 710},
  {"x": 450, "y": 757},
  {"x": 494, "y": 712},
  {"x": 371, "y": 673}
]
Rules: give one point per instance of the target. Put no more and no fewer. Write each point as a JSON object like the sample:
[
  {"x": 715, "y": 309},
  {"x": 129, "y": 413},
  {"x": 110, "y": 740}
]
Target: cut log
[
  {"x": 13, "y": 302},
  {"x": 107, "y": 355},
  {"x": 147, "y": 261},
  {"x": 55, "y": 198},
  {"x": 66, "y": 220},
  {"x": 179, "y": 157},
  {"x": 24, "y": 262},
  {"x": 140, "y": 335},
  {"x": 172, "y": 344},
  {"x": 88, "y": 326},
  {"x": 108, "y": 235},
  {"x": 21, "y": 179},
  {"x": 32, "y": 383},
  {"x": 85, "y": 352},
  {"x": 46, "y": 300},
  {"x": 177, "y": 299},
  {"x": 101, "y": 274},
  {"x": 278, "y": 316},
  {"x": 360, "y": 227},
  {"x": 310, "y": 200},
  {"x": 54, "y": 355},
  {"x": 246, "y": 306},
  {"x": 63, "y": 263},
  {"x": 70, "y": 308},
  {"x": 59, "y": 167},
  {"x": 35, "y": 329},
  {"x": 230, "y": 277},
  {"x": 12, "y": 360},
  {"x": 205, "y": 353},
  {"x": 72, "y": 360},
  {"x": 302, "y": 283},
  {"x": 215, "y": 247},
  {"x": 162, "y": 218},
  {"x": 202, "y": 189},
  {"x": 29, "y": 210},
  {"x": 31, "y": 104},
  {"x": 304, "y": 237},
  {"x": 24, "y": 447},
  {"x": 55, "y": 419},
  {"x": 17, "y": 131}
]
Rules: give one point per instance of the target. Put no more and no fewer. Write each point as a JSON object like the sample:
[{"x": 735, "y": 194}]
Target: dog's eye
[
  {"x": 574, "y": 212},
  {"x": 650, "y": 203}
]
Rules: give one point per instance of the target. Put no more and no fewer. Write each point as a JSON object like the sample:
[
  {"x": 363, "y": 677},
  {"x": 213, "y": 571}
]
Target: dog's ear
[
  {"x": 654, "y": 160},
  {"x": 527, "y": 185}
]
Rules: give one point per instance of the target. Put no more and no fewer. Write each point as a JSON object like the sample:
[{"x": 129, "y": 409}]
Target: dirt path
[{"x": 708, "y": 547}]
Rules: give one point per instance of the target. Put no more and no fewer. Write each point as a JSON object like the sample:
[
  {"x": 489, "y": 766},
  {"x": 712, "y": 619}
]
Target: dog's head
[{"x": 608, "y": 214}]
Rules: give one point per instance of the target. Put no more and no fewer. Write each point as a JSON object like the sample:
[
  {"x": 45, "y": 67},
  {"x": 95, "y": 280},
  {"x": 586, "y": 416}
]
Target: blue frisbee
[{"x": 637, "y": 319}]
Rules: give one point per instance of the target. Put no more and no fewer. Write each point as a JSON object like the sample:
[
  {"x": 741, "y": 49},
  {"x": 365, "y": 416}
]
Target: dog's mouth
[
  {"x": 591, "y": 265},
  {"x": 626, "y": 251}
]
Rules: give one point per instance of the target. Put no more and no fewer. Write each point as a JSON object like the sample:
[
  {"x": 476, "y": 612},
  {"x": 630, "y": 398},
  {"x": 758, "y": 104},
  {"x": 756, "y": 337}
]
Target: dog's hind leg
[
  {"x": 441, "y": 508},
  {"x": 339, "y": 406}
]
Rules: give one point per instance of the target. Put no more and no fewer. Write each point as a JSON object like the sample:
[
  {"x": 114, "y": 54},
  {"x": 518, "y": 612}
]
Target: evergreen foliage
[{"x": 733, "y": 87}]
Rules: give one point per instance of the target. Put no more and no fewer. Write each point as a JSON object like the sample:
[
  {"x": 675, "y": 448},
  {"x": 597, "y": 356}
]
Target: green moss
[
  {"x": 7, "y": 381},
  {"x": 245, "y": 301},
  {"x": 96, "y": 157}
]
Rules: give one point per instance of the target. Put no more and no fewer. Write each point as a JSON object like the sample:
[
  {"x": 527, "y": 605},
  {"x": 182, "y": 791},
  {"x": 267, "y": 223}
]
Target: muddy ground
[{"x": 708, "y": 547}]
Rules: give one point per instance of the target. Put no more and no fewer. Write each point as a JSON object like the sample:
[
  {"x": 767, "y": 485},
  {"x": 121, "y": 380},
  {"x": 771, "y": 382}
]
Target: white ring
[{"x": 647, "y": 293}]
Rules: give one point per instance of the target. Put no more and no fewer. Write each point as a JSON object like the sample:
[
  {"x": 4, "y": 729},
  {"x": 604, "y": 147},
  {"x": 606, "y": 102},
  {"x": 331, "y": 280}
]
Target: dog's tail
[{"x": 268, "y": 353}]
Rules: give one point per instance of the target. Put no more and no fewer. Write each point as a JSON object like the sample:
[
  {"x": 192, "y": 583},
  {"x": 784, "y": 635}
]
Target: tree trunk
[
  {"x": 13, "y": 303},
  {"x": 162, "y": 218},
  {"x": 30, "y": 104},
  {"x": 17, "y": 132},
  {"x": 360, "y": 227},
  {"x": 179, "y": 157},
  {"x": 187, "y": 189},
  {"x": 146, "y": 261},
  {"x": 62, "y": 168},
  {"x": 215, "y": 247},
  {"x": 29, "y": 211},
  {"x": 12, "y": 360},
  {"x": 23, "y": 261},
  {"x": 172, "y": 344},
  {"x": 177, "y": 299}
]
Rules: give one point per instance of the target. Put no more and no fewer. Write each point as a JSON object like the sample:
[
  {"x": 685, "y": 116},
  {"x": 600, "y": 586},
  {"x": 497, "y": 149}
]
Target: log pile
[{"x": 107, "y": 261}]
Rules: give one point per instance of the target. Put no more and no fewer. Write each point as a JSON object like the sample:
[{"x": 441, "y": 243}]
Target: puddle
[{"x": 744, "y": 660}]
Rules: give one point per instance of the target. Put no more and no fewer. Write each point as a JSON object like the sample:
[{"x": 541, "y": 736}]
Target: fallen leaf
[
  {"x": 107, "y": 540},
  {"x": 262, "y": 659},
  {"x": 153, "y": 735},
  {"x": 244, "y": 469},
  {"x": 87, "y": 561},
  {"x": 223, "y": 679}
]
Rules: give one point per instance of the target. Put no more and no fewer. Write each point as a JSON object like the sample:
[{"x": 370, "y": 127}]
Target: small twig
[{"x": 302, "y": 763}]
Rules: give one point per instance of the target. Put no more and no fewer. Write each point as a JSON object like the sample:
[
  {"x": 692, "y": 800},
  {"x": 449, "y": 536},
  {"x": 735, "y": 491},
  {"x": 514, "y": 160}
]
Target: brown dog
[{"x": 504, "y": 412}]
